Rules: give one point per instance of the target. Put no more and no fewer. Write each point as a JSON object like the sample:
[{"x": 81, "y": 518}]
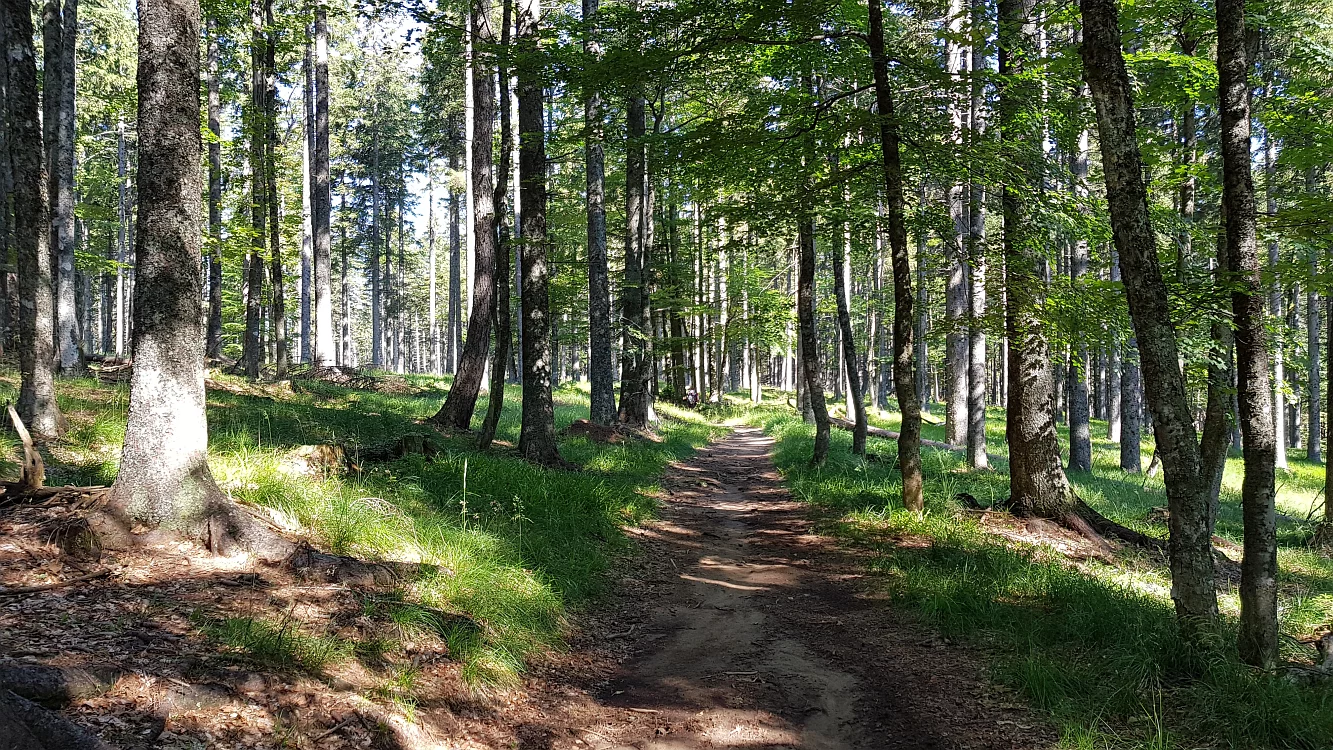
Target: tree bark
[
  {"x": 164, "y": 480},
  {"x": 1037, "y": 482},
  {"x": 602, "y": 408},
  {"x": 321, "y": 204},
  {"x": 253, "y": 354},
  {"x": 537, "y": 435},
  {"x": 904, "y": 368},
  {"x": 213, "y": 339},
  {"x": 500, "y": 311},
  {"x": 456, "y": 412},
  {"x": 59, "y": 97},
  {"x": 842, "y": 282},
  {"x": 808, "y": 341},
  {"x": 1191, "y": 534},
  {"x": 1080, "y": 428},
  {"x": 278, "y": 292},
  {"x": 976, "y": 253},
  {"x": 37, "y": 398},
  {"x": 1258, "y": 586},
  {"x": 635, "y": 367}
]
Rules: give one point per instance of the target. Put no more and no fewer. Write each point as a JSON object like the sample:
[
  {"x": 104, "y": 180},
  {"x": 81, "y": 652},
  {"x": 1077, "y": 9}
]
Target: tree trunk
[
  {"x": 842, "y": 282},
  {"x": 456, "y": 412},
  {"x": 6, "y": 190},
  {"x": 537, "y": 435},
  {"x": 976, "y": 253},
  {"x": 635, "y": 367},
  {"x": 1191, "y": 534},
  {"x": 59, "y": 94},
  {"x": 455, "y": 322},
  {"x": 1312, "y": 446},
  {"x": 278, "y": 303},
  {"x": 1275, "y": 308},
  {"x": 1037, "y": 482},
  {"x": 164, "y": 480},
  {"x": 37, "y": 397},
  {"x": 321, "y": 203},
  {"x": 1131, "y": 411},
  {"x": 213, "y": 340},
  {"x": 1258, "y": 586},
  {"x": 1217, "y": 425},
  {"x": 809, "y": 343},
  {"x": 602, "y": 408},
  {"x": 500, "y": 311},
  {"x": 909, "y": 440},
  {"x": 253, "y": 354},
  {"x": 307, "y": 200},
  {"x": 1080, "y": 429}
]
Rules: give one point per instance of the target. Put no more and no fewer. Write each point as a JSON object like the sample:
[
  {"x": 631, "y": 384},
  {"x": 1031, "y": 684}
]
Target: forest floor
[{"x": 701, "y": 588}]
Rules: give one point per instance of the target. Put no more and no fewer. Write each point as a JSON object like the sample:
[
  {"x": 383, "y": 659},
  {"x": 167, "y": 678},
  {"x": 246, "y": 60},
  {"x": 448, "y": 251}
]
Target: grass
[
  {"x": 1094, "y": 645},
  {"x": 512, "y": 547}
]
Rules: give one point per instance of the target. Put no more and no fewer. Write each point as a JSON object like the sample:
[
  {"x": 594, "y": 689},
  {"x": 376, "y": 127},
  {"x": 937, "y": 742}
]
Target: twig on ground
[
  {"x": 55, "y": 585},
  {"x": 336, "y": 727}
]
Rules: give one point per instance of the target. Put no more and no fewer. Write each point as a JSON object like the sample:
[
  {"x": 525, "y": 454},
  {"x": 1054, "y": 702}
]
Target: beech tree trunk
[
  {"x": 601, "y": 370},
  {"x": 1080, "y": 428},
  {"x": 37, "y": 397},
  {"x": 500, "y": 311},
  {"x": 976, "y": 253},
  {"x": 321, "y": 203},
  {"x": 1173, "y": 425},
  {"x": 904, "y": 368},
  {"x": 456, "y": 412},
  {"x": 1258, "y": 585},
  {"x": 536, "y": 440},
  {"x": 213, "y": 339},
  {"x": 164, "y": 480},
  {"x": 253, "y": 352},
  {"x": 1037, "y": 482},
  {"x": 61, "y": 40},
  {"x": 635, "y": 367},
  {"x": 809, "y": 343},
  {"x": 277, "y": 302},
  {"x": 842, "y": 282}
]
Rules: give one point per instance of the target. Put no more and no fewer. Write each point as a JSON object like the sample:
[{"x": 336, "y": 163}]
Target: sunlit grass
[{"x": 505, "y": 560}]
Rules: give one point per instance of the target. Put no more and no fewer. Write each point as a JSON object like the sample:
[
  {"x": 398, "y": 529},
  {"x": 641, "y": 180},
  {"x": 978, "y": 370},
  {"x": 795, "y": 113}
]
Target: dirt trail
[{"x": 750, "y": 631}]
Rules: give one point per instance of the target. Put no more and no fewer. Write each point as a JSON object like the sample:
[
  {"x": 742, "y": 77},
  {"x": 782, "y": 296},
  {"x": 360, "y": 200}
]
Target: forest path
[{"x": 751, "y": 631}]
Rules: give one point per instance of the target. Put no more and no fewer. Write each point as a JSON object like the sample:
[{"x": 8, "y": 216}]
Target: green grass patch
[
  {"x": 513, "y": 547},
  {"x": 279, "y": 644}
]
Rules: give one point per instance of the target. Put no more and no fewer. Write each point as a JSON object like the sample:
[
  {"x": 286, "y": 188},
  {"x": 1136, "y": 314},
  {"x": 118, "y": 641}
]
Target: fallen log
[{"x": 24, "y": 725}]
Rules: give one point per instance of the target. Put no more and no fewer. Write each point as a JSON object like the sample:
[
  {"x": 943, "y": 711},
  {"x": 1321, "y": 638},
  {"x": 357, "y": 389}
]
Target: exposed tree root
[
  {"x": 56, "y": 686},
  {"x": 24, "y": 725}
]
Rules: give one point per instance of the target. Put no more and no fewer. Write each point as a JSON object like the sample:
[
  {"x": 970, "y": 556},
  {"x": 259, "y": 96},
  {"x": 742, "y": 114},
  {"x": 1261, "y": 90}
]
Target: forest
[{"x": 666, "y": 374}]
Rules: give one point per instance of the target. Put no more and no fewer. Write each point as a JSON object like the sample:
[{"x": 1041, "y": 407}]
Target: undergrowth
[{"x": 1093, "y": 645}]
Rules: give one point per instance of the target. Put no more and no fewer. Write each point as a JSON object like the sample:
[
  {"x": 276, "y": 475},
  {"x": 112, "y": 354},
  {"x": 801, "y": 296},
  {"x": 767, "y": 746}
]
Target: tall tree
[
  {"x": 1191, "y": 554},
  {"x": 842, "y": 283},
  {"x": 1258, "y": 585},
  {"x": 456, "y": 413},
  {"x": 37, "y": 396},
  {"x": 904, "y": 320},
  {"x": 500, "y": 310},
  {"x": 636, "y": 351},
  {"x": 1037, "y": 482},
  {"x": 536, "y": 440},
  {"x": 252, "y": 354},
  {"x": 60, "y": 40},
  {"x": 321, "y": 204},
  {"x": 164, "y": 480},
  {"x": 277, "y": 287},
  {"x": 602, "y": 407},
  {"x": 213, "y": 339},
  {"x": 976, "y": 253}
]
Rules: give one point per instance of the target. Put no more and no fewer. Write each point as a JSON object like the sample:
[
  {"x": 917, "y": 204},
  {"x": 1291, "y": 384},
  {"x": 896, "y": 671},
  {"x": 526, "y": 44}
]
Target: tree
[
  {"x": 253, "y": 352},
  {"x": 321, "y": 203},
  {"x": 636, "y": 347},
  {"x": 59, "y": 40},
  {"x": 1191, "y": 554},
  {"x": 904, "y": 321},
  {"x": 602, "y": 407},
  {"x": 164, "y": 480},
  {"x": 842, "y": 282},
  {"x": 536, "y": 441},
  {"x": 1258, "y": 585},
  {"x": 500, "y": 310},
  {"x": 213, "y": 339},
  {"x": 456, "y": 413},
  {"x": 1037, "y": 482},
  {"x": 37, "y": 398}
]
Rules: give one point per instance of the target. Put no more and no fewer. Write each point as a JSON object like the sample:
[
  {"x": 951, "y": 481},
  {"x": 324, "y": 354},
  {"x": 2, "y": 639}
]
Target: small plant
[{"x": 279, "y": 644}]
